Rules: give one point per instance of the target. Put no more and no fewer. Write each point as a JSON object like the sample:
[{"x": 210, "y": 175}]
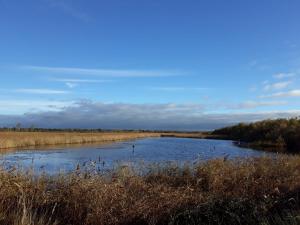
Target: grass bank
[
  {"x": 257, "y": 191},
  {"x": 200, "y": 135},
  {"x": 33, "y": 139}
]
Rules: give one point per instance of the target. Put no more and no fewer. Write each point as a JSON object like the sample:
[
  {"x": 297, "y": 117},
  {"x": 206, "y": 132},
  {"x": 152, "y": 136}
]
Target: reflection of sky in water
[{"x": 150, "y": 150}]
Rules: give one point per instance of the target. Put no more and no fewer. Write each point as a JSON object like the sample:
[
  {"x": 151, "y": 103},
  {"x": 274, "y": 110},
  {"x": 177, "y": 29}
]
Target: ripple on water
[{"x": 149, "y": 150}]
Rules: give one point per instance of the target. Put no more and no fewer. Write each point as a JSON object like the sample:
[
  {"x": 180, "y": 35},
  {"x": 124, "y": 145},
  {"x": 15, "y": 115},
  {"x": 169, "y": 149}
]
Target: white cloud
[
  {"x": 253, "y": 89},
  {"x": 284, "y": 75},
  {"x": 87, "y": 114},
  {"x": 257, "y": 104},
  {"x": 277, "y": 86},
  {"x": 292, "y": 93},
  {"x": 40, "y": 91},
  {"x": 13, "y": 106},
  {"x": 73, "y": 80},
  {"x": 71, "y": 85},
  {"x": 177, "y": 88},
  {"x": 103, "y": 72}
]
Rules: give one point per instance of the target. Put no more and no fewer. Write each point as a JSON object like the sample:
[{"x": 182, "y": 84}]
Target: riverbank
[
  {"x": 10, "y": 140},
  {"x": 280, "y": 135},
  {"x": 255, "y": 191},
  {"x": 31, "y": 139},
  {"x": 200, "y": 135}
]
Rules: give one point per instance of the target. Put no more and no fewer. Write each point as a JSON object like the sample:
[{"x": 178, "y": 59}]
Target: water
[{"x": 149, "y": 150}]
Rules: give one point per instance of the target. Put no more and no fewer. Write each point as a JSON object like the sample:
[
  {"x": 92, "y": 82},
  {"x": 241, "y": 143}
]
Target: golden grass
[
  {"x": 200, "y": 135},
  {"x": 228, "y": 192},
  {"x": 32, "y": 139}
]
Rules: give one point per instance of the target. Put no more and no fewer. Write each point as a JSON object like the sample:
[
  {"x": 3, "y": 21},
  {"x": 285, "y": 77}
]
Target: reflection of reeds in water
[
  {"x": 31, "y": 139},
  {"x": 227, "y": 192}
]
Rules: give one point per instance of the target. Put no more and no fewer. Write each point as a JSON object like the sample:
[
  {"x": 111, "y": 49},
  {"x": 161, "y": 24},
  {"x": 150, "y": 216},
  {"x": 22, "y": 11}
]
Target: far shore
[
  {"x": 10, "y": 140},
  {"x": 21, "y": 139},
  {"x": 36, "y": 139},
  {"x": 200, "y": 135}
]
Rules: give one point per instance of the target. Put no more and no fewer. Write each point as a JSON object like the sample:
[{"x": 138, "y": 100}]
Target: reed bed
[
  {"x": 258, "y": 191},
  {"x": 33, "y": 139},
  {"x": 187, "y": 135}
]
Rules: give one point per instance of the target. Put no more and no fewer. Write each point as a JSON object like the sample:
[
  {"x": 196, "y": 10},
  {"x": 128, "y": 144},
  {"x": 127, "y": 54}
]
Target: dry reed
[
  {"x": 250, "y": 191},
  {"x": 32, "y": 139}
]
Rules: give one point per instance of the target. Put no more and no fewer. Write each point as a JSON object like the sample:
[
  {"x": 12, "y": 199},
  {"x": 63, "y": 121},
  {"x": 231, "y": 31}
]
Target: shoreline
[
  {"x": 11, "y": 140},
  {"x": 17, "y": 140},
  {"x": 199, "y": 135},
  {"x": 259, "y": 146}
]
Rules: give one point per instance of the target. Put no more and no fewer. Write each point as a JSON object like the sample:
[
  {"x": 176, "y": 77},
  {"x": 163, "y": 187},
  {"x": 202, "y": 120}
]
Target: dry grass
[
  {"x": 31, "y": 139},
  {"x": 199, "y": 135},
  {"x": 186, "y": 135},
  {"x": 253, "y": 191}
]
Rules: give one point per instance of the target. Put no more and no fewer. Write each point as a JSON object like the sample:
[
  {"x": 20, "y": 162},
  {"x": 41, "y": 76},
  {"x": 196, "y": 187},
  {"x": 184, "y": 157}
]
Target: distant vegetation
[
  {"x": 17, "y": 137},
  {"x": 281, "y": 133},
  {"x": 261, "y": 191},
  {"x": 23, "y": 139},
  {"x": 19, "y": 128}
]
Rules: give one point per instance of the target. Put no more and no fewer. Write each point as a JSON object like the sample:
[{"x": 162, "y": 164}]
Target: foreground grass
[
  {"x": 253, "y": 191},
  {"x": 33, "y": 139}
]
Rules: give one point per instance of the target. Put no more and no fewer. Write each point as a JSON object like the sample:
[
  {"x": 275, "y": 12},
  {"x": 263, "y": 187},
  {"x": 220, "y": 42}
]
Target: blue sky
[{"x": 148, "y": 64}]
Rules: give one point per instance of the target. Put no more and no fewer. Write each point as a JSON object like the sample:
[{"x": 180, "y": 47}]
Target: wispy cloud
[
  {"x": 68, "y": 8},
  {"x": 103, "y": 72},
  {"x": 13, "y": 106},
  {"x": 284, "y": 75},
  {"x": 261, "y": 64},
  {"x": 256, "y": 104},
  {"x": 72, "y": 83},
  {"x": 292, "y": 93},
  {"x": 177, "y": 88},
  {"x": 253, "y": 63},
  {"x": 79, "y": 80},
  {"x": 277, "y": 86},
  {"x": 253, "y": 88},
  {"x": 40, "y": 91}
]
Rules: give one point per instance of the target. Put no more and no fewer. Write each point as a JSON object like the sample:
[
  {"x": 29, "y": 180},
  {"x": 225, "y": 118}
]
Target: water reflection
[{"x": 147, "y": 151}]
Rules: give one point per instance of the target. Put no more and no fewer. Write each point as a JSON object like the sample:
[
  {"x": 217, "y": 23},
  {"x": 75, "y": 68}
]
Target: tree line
[{"x": 277, "y": 133}]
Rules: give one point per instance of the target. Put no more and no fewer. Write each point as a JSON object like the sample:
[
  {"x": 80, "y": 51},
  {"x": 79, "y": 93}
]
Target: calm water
[{"x": 149, "y": 150}]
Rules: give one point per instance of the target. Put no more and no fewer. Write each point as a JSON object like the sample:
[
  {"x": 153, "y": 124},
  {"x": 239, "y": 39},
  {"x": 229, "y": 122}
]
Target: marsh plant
[
  {"x": 10, "y": 139},
  {"x": 236, "y": 191}
]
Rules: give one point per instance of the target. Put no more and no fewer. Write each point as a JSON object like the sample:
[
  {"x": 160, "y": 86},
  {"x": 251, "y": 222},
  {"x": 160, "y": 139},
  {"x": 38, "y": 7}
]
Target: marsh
[{"x": 105, "y": 156}]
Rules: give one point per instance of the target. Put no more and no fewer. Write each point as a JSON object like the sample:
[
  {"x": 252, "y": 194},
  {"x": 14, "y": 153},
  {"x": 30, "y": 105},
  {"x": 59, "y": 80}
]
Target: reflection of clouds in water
[{"x": 150, "y": 150}]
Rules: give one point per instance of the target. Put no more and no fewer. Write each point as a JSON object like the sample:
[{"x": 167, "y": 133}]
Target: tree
[{"x": 18, "y": 126}]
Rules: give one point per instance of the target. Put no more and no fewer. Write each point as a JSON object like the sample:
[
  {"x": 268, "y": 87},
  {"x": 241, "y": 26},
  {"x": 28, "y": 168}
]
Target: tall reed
[
  {"x": 228, "y": 192},
  {"x": 32, "y": 139}
]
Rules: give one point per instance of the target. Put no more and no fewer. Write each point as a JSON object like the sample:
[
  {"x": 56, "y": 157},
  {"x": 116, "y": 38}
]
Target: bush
[{"x": 280, "y": 133}]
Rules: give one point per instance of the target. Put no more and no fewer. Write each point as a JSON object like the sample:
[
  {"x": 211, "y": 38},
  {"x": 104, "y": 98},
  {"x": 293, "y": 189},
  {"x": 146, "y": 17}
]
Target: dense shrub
[{"x": 280, "y": 132}]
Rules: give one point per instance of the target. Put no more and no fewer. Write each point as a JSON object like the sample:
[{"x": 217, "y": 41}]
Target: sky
[{"x": 141, "y": 64}]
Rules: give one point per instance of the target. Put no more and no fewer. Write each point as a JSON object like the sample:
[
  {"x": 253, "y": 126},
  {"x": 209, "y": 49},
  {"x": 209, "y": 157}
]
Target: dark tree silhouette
[{"x": 280, "y": 132}]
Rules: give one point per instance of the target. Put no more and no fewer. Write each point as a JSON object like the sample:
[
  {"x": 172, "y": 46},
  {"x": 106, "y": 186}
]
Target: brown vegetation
[
  {"x": 281, "y": 133},
  {"x": 200, "y": 135},
  {"x": 32, "y": 139},
  {"x": 251, "y": 191}
]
